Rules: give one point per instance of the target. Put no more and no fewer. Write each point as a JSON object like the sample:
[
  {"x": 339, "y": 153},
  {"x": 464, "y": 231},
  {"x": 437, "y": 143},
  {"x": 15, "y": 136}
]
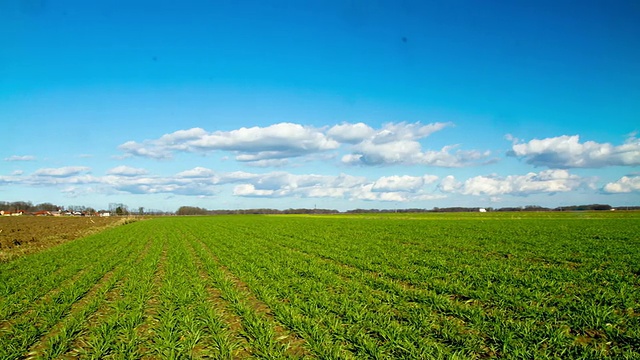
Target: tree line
[
  {"x": 28, "y": 206},
  {"x": 122, "y": 209},
  {"x": 192, "y": 210}
]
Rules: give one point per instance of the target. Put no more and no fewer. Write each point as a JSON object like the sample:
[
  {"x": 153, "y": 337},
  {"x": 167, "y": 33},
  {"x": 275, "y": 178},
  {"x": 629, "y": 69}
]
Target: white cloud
[
  {"x": 201, "y": 181},
  {"x": 277, "y": 137},
  {"x": 567, "y": 152},
  {"x": 236, "y": 176},
  {"x": 547, "y": 181},
  {"x": 449, "y": 184},
  {"x": 625, "y": 184},
  {"x": 352, "y": 159},
  {"x": 398, "y": 143},
  {"x": 429, "y": 197},
  {"x": 278, "y": 141},
  {"x": 123, "y": 170},
  {"x": 402, "y": 183},
  {"x": 404, "y": 131},
  {"x": 77, "y": 191},
  {"x": 20, "y": 158},
  {"x": 264, "y": 163},
  {"x": 52, "y": 177},
  {"x": 445, "y": 157},
  {"x": 350, "y": 133},
  {"x": 391, "y": 189},
  {"x": 5, "y": 180},
  {"x": 275, "y": 145},
  {"x": 196, "y": 172},
  {"x": 249, "y": 190},
  {"x": 482, "y": 185},
  {"x": 393, "y": 196},
  {"x": 392, "y": 152},
  {"x": 180, "y": 138},
  {"x": 132, "y": 148},
  {"x": 176, "y": 185},
  {"x": 62, "y": 171}
]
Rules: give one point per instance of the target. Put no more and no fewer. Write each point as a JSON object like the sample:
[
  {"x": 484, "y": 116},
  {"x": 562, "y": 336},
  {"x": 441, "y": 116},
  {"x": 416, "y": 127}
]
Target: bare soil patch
[{"x": 21, "y": 235}]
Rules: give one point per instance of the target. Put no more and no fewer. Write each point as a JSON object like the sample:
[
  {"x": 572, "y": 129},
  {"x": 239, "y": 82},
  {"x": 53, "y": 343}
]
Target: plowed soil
[{"x": 21, "y": 235}]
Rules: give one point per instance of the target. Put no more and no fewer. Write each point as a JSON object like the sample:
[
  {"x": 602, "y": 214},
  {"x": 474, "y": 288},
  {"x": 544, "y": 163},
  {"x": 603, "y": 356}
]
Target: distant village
[
  {"x": 54, "y": 213},
  {"x": 26, "y": 208}
]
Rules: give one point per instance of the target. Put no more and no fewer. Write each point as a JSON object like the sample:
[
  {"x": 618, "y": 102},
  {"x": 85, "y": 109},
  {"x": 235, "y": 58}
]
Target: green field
[{"x": 406, "y": 286}]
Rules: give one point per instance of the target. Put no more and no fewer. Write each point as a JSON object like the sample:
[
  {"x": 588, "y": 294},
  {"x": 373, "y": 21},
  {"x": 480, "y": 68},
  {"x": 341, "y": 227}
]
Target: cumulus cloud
[
  {"x": 250, "y": 190},
  {"x": 20, "y": 158},
  {"x": 398, "y": 143},
  {"x": 62, "y": 171},
  {"x": 236, "y": 176},
  {"x": 123, "y": 170},
  {"x": 370, "y": 152},
  {"x": 350, "y": 133},
  {"x": 179, "y": 139},
  {"x": 77, "y": 191},
  {"x": 264, "y": 163},
  {"x": 625, "y": 184},
  {"x": 175, "y": 185},
  {"x": 149, "y": 150},
  {"x": 282, "y": 140},
  {"x": 196, "y": 172},
  {"x": 402, "y": 183},
  {"x": 7, "y": 180},
  {"x": 201, "y": 181},
  {"x": 565, "y": 151},
  {"x": 277, "y": 137},
  {"x": 275, "y": 145},
  {"x": 68, "y": 175},
  {"x": 548, "y": 181},
  {"x": 449, "y": 184},
  {"x": 392, "y": 188}
]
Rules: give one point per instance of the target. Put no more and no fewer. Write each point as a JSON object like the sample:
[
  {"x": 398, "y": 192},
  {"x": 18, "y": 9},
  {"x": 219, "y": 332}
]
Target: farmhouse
[{"x": 11, "y": 213}]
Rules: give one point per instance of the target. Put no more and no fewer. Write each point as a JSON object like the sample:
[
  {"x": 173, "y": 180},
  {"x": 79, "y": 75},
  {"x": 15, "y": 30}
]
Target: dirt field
[{"x": 21, "y": 235}]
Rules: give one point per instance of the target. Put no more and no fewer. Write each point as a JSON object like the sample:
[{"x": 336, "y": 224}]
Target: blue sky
[{"x": 346, "y": 104}]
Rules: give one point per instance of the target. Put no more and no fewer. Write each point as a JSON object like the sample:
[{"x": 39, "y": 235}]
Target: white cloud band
[
  {"x": 568, "y": 152},
  {"x": 272, "y": 146}
]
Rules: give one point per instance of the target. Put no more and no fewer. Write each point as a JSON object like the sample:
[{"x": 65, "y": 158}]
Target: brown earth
[{"x": 20, "y": 235}]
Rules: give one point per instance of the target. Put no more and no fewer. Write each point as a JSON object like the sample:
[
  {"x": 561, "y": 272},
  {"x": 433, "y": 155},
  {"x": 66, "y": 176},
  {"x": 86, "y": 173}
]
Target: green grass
[{"x": 376, "y": 286}]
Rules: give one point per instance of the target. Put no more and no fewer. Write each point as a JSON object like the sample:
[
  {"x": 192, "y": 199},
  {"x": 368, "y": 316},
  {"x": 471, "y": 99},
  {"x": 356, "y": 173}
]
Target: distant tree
[
  {"x": 78, "y": 208},
  {"x": 16, "y": 205},
  {"x": 191, "y": 210},
  {"x": 535, "y": 208},
  {"x": 19, "y": 205},
  {"x": 141, "y": 210},
  {"x": 46, "y": 207},
  {"x": 114, "y": 206},
  {"x": 584, "y": 207}
]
